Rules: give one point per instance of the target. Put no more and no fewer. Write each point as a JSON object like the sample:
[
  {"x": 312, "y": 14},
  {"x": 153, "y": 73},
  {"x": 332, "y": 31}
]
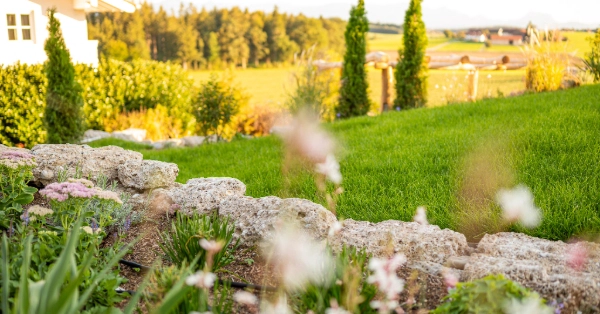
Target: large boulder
[
  {"x": 147, "y": 174},
  {"x": 256, "y": 218},
  {"x": 419, "y": 243},
  {"x": 204, "y": 195},
  {"x": 541, "y": 265},
  {"x": 53, "y": 159}
]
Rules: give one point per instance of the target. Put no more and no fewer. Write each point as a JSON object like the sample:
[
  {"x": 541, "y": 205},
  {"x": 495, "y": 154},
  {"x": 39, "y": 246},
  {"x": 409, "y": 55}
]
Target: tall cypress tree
[
  {"x": 411, "y": 70},
  {"x": 354, "y": 96},
  {"x": 63, "y": 116}
]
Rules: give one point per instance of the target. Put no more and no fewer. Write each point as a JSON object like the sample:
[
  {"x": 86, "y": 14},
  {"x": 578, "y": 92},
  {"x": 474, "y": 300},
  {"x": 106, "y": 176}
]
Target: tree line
[{"x": 202, "y": 38}]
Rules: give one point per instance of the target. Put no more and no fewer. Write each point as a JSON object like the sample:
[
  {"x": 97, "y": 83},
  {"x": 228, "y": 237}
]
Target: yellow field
[
  {"x": 387, "y": 42},
  {"x": 272, "y": 85}
]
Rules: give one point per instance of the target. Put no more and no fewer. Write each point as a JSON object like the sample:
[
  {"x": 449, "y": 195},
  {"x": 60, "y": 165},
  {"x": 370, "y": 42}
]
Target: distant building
[
  {"x": 23, "y": 28},
  {"x": 506, "y": 39},
  {"x": 475, "y": 36}
]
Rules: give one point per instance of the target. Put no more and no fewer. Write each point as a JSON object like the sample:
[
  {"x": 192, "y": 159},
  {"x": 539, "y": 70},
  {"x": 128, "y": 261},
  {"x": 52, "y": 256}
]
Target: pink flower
[
  {"x": 450, "y": 279},
  {"x": 577, "y": 256},
  {"x": 62, "y": 191},
  {"x": 385, "y": 276},
  {"x": 306, "y": 138},
  {"x": 211, "y": 245}
]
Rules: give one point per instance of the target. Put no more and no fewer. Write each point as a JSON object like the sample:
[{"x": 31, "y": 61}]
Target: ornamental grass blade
[
  {"x": 5, "y": 274},
  {"x": 23, "y": 301}
]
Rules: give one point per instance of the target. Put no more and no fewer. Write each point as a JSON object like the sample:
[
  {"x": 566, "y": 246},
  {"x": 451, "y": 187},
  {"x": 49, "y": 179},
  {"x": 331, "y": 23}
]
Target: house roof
[
  {"x": 128, "y": 6},
  {"x": 506, "y": 37}
]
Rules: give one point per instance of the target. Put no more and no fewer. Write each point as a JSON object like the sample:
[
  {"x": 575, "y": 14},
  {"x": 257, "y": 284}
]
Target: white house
[
  {"x": 23, "y": 28},
  {"x": 475, "y": 37}
]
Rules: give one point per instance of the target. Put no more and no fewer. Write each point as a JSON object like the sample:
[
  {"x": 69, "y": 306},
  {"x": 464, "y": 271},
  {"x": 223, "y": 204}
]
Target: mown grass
[{"x": 400, "y": 160}]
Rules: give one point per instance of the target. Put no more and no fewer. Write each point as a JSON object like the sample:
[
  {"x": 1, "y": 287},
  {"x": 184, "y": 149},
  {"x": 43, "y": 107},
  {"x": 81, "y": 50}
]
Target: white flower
[
  {"x": 201, "y": 279},
  {"x": 306, "y": 138},
  {"x": 330, "y": 168},
  {"x": 39, "y": 210},
  {"x": 280, "y": 307},
  {"x": 89, "y": 230},
  {"x": 384, "y": 306},
  {"x": 517, "y": 205},
  {"x": 335, "y": 228},
  {"x": 385, "y": 276},
  {"x": 338, "y": 310},
  {"x": 211, "y": 245},
  {"x": 421, "y": 216},
  {"x": 297, "y": 257},
  {"x": 245, "y": 297},
  {"x": 531, "y": 305}
]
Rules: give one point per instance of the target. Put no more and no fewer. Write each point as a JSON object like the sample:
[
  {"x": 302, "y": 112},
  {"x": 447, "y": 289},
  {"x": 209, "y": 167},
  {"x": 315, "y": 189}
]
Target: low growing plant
[
  {"x": 347, "y": 285},
  {"x": 592, "y": 59},
  {"x": 15, "y": 173},
  {"x": 491, "y": 294},
  {"x": 181, "y": 244}
]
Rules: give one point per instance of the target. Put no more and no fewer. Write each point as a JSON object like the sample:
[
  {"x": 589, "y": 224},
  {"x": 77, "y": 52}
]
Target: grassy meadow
[
  {"x": 397, "y": 161},
  {"x": 271, "y": 86}
]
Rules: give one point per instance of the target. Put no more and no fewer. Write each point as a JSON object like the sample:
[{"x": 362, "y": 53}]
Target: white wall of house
[{"x": 27, "y": 42}]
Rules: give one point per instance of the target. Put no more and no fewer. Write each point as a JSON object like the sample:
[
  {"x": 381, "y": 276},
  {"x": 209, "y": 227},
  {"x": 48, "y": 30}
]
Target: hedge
[{"x": 108, "y": 91}]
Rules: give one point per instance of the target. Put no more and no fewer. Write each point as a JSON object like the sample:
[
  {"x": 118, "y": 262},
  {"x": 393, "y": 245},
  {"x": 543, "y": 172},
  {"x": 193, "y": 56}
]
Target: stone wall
[{"x": 536, "y": 263}]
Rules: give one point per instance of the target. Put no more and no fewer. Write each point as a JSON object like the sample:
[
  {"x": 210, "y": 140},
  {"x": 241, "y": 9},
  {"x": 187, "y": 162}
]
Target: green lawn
[
  {"x": 462, "y": 46},
  {"x": 400, "y": 160}
]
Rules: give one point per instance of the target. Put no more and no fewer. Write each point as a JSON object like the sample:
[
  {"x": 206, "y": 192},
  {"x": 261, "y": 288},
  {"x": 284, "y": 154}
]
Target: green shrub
[
  {"x": 592, "y": 59},
  {"x": 22, "y": 103},
  {"x": 63, "y": 117},
  {"x": 117, "y": 87},
  {"x": 181, "y": 243},
  {"x": 491, "y": 294},
  {"x": 314, "y": 89},
  {"x": 411, "y": 70},
  {"x": 354, "y": 96},
  {"x": 215, "y": 105},
  {"x": 347, "y": 285},
  {"x": 546, "y": 66},
  {"x": 112, "y": 94}
]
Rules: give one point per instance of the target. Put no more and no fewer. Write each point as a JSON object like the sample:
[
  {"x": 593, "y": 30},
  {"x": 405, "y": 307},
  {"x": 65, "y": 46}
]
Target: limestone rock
[
  {"x": 4, "y": 147},
  {"x": 205, "y": 194},
  {"x": 147, "y": 174},
  {"x": 419, "y": 243},
  {"x": 255, "y": 218},
  {"x": 540, "y": 265},
  {"x": 91, "y": 162},
  {"x": 193, "y": 141},
  {"x": 93, "y": 135},
  {"x": 168, "y": 143},
  {"x": 131, "y": 134}
]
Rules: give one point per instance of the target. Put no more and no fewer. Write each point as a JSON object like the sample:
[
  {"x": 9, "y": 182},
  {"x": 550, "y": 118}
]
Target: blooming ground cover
[{"x": 394, "y": 163}]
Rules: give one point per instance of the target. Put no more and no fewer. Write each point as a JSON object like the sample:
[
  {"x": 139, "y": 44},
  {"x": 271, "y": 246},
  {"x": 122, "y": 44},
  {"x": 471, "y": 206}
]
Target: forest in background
[{"x": 211, "y": 39}]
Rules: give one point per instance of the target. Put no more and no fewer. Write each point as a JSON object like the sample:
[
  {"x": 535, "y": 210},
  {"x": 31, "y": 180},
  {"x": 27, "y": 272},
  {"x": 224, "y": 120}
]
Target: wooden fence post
[
  {"x": 473, "y": 79},
  {"x": 387, "y": 83}
]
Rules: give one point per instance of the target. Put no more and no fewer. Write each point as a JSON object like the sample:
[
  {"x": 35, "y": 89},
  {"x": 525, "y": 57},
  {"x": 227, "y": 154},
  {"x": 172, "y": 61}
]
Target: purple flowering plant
[{"x": 15, "y": 172}]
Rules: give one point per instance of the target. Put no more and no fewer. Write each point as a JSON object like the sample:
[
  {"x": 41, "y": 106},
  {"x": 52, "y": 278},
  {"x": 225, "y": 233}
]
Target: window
[
  {"x": 24, "y": 26},
  {"x": 11, "y": 22}
]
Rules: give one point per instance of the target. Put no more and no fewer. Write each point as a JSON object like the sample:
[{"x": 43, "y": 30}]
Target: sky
[{"x": 436, "y": 13}]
